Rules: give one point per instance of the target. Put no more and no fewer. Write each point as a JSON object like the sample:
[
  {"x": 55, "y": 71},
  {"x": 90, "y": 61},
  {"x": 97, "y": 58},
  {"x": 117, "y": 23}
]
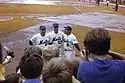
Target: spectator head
[
  {"x": 42, "y": 30},
  {"x": 97, "y": 41},
  {"x": 31, "y": 66},
  {"x": 56, "y": 71},
  {"x": 73, "y": 64},
  {"x": 68, "y": 30},
  {"x": 32, "y": 49},
  {"x": 56, "y": 27},
  {"x": 50, "y": 52}
]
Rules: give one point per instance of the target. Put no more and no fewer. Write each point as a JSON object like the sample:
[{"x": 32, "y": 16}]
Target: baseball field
[{"x": 14, "y": 17}]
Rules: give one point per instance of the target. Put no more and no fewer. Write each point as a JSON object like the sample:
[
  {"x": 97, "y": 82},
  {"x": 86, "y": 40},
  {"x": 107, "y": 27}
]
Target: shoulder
[
  {"x": 38, "y": 34},
  {"x": 62, "y": 33},
  {"x": 72, "y": 35},
  {"x": 119, "y": 62},
  {"x": 49, "y": 33}
]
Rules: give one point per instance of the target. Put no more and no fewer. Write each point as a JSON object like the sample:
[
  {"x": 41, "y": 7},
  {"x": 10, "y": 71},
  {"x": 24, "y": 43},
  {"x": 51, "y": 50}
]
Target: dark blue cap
[
  {"x": 42, "y": 27},
  {"x": 55, "y": 25},
  {"x": 68, "y": 27}
]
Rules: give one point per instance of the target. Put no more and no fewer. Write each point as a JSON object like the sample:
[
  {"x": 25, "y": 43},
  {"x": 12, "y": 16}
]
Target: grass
[
  {"x": 102, "y": 8},
  {"x": 17, "y": 11},
  {"x": 16, "y": 24},
  {"x": 117, "y": 39},
  {"x": 37, "y": 9}
]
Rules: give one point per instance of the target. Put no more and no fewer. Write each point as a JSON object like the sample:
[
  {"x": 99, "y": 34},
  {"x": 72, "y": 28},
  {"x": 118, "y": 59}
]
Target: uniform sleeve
[
  {"x": 33, "y": 39},
  {"x": 49, "y": 37},
  {"x": 74, "y": 40}
]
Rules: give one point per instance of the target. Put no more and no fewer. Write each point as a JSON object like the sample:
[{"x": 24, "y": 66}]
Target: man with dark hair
[
  {"x": 40, "y": 39},
  {"x": 28, "y": 52},
  {"x": 31, "y": 68},
  {"x": 100, "y": 69},
  {"x": 70, "y": 43},
  {"x": 56, "y": 38}
]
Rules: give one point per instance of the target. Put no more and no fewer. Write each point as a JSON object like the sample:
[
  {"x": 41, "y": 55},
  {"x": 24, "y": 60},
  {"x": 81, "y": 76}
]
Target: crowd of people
[{"x": 51, "y": 59}]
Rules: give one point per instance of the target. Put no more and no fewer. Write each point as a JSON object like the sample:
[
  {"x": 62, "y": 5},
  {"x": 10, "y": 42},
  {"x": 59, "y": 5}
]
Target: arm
[
  {"x": 77, "y": 46},
  {"x": 10, "y": 55},
  {"x": 80, "y": 51},
  {"x": 30, "y": 42},
  {"x": 33, "y": 40},
  {"x": 117, "y": 55}
]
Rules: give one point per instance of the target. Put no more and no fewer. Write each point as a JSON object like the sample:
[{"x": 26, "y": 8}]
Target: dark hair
[
  {"x": 31, "y": 66},
  {"x": 32, "y": 49},
  {"x": 73, "y": 64},
  {"x": 12, "y": 78},
  {"x": 97, "y": 41},
  {"x": 56, "y": 71},
  {"x": 49, "y": 52}
]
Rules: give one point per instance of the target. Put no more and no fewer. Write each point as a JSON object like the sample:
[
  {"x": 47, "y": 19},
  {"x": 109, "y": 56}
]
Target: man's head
[
  {"x": 68, "y": 30},
  {"x": 56, "y": 71},
  {"x": 32, "y": 49},
  {"x": 31, "y": 66},
  {"x": 97, "y": 41},
  {"x": 42, "y": 30},
  {"x": 56, "y": 27},
  {"x": 50, "y": 52}
]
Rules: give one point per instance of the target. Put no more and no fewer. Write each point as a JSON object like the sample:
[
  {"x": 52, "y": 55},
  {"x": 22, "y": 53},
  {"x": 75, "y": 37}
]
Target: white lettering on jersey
[
  {"x": 37, "y": 39},
  {"x": 56, "y": 38},
  {"x": 69, "y": 41}
]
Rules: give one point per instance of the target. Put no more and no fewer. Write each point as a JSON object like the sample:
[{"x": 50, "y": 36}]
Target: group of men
[{"x": 65, "y": 41}]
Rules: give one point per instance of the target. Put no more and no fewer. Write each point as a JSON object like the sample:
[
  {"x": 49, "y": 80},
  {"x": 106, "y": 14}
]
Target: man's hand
[{"x": 10, "y": 53}]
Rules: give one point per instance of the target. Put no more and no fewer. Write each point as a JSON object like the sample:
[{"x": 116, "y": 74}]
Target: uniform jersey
[
  {"x": 69, "y": 47},
  {"x": 56, "y": 38},
  {"x": 40, "y": 40},
  {"x": 69, "y": 41}
]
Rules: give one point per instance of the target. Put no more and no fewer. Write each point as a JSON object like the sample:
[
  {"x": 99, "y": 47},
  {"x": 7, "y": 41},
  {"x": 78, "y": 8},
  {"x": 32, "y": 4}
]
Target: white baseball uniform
[
  {"x": 57, "y": 40},
  {"x": 39, "y": 40},
  {"x": 69, "y": 47}
]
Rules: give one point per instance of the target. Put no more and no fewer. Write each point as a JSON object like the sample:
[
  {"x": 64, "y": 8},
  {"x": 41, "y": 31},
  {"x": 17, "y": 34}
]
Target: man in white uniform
[
  {"x": 56, "y": 38},
  {"x": 70, "y": 43},
  {"x": 40, "y": 39}
]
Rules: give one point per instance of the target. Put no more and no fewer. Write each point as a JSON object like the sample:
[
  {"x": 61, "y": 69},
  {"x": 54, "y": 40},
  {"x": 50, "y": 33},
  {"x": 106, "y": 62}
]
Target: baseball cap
[
  {"x": 68, "y": 27},
  {"x": 55, "y": 25},
  {"x": 42, "y": 27}
]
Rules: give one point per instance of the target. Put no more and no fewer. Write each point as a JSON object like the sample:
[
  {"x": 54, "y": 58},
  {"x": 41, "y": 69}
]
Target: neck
[
  {"x": 97, "y": 56},
  {"x": 37, "y": 78},
  {"x": 42, "y": 34}
]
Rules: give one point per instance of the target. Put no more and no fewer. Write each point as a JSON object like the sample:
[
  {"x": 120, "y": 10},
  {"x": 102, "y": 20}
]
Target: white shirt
[
  {"x": 38, "y": 39},
  {"x": 69, "y": 41},
  {"x": 56, "y": 38}
]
